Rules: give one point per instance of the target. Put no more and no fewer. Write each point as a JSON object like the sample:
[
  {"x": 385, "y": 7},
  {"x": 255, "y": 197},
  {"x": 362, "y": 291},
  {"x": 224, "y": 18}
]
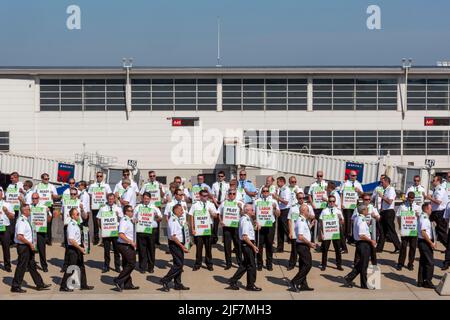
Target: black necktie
[{"x": 220, "y": 191}]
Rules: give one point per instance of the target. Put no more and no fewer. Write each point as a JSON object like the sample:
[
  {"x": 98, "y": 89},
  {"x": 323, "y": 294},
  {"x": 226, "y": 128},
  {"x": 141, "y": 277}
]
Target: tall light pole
[
  {"x": 218, "y": 43},
  {"x": 127, "y": 64},
  {"x": 406, "y": 65}
]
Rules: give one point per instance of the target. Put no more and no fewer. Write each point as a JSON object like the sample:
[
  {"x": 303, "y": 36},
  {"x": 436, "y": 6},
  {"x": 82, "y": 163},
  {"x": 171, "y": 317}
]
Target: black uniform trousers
[
  {"x": 75, "y": 258},
  {"x": 25, "y": 261},
  {"x": 107, "y": 242},
  {"x": 264, "y": 238},
  {"x": 66, "y": 252},
  {"x": 283, "y": 228},
  {"x": 387, "y": 228},
  {"x": 426, "y": 263},
  {"x": 347, "y": 213},
  {"x": 317, "y": 213},
  {"x": 13, "y": 227},
  {"x": 146, "y": 250},
  {"x": 248, "y": 266},
  {"x": 412, "y": 242},
  {"x": 293, "y": 256},
  {"x": 363, "y": 251},
  {"x": 96, "y": 226},
  {"x": 447, "y": 252},
  {"x": 441, "y": 226},
  {"x": 49, "y": 228},
  {"x": 373, "y": 256},
  {"x": 128, "y": 264},
  {"x": 215, "y": 230},
  {"x": 177, "y": 267},
  {"x": 337, "y": 250},
  {"x": 304, "y": 264},
  {"x": 201, "y": 241},
  {"x": 41, "y": 243},
  {"x": 231, "y": 235},
  {"x": 5, "y": 238}
]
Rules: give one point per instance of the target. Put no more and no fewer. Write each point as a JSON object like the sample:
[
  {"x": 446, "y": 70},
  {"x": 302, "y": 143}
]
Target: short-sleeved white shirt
[
  {"x": 23, "y": 227},
  {"x": 130, "y": 196},
  {"x": 360, "y": 228},
  {"x": 302, "y": 228},
  {"x": 295, "y": 209},
  {"x": 3, "y": 216},
  {"x": 215, "y": 190},
  {"x": 126, "y": 227},
  {"x": 156, "y": 211},
  {"x": 246, "y": 227},
  {"x": 114, "y": 208},
  {"x": 425, "y": 224},
  {"x": 133, "y": 185},
  {"x": 73, "y": 232},
  {"x": 272, "y": 201},
  {"x": 389, "y": 193},
  {"x": 405, "y": 207},
  {"x": 210, "y": 207},
  {"x": 440, "y": 194},
  {"x": 174, "y": 228},
  {"x": 284, "y": 193},
  {"x": 333, "y": 210}
]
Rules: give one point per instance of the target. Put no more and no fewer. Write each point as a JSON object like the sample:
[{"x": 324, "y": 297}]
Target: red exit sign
[
  {"x": 436, "y": 121},
  {"x": 185, "y": 122}
]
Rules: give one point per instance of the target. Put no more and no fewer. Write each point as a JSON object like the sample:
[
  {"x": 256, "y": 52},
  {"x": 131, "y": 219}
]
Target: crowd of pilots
[{"x": 127, "y": 220}]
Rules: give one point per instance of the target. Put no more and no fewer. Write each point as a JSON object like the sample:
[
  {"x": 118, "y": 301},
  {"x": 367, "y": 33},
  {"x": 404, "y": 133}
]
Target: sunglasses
[
  {"x": 242, "y": 174},
  {"x": 319, "y": 176},
  {"x": 45, "y": 178},
  {"x": 152, "y": 176},
  {"x": 221, "y": 176},
  {"x": 73, "y": 194},
  {"x": 35, "y": 198},
  {"x": 331, "y": 201},
  {"x": 231, "y": 193},
  {"x": 99, "y": 176},
  {"x": 353, "y": 175},
  {"x": 71, "y": 182},
  {"x": 265, "y": 191},
  {"x": 367, "y": 199},
  {"x": 126, "y": 175}
]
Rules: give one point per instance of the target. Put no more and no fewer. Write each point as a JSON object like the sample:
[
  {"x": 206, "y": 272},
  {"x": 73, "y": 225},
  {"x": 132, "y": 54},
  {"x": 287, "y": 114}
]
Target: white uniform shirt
[
  {"x": 157, "y": 213},
  {"x": 85, "y": 200},
  {"x": 246, "y": 227},
  {"x": 215, "y": 190},
  {"x": 169, "y": 213},
  {"x": 114, "y": 208},
  {"x": 130, "y": 196},
  {"x": 106, "y": 187},
  {"x": 425, "y": 224},
  {"x": 418, "y": 192},
  {"x": 336, "y": 195},
  {"x": 405, "y": 207},
  {"x": 284, "y": 193},
  {"x": 294, "y": 190},
  {"x": 255, "y": 206},
  {"x": 126, "y": 227},
  {"x": 333, "y": 210},
  {"x": 295, "y": 209},
  {"x": 47, "y": 187},
  {"x": 210, "y": 207},
  {"x": 372, "y": 212},
  {"x": 133, "y": 185},
  {"x": 239, "y": 203},
  {"x": 154, "y": 195},
  {"x": 356, "y": 184},
  {"x": 389, "y": 193},
  {"x": 66, "y": 210},
  {"x": 73, "y": 232},
  {"x": 360, "y": 228},
  {"x": 3, "y": 216},
  {"x": 28, "y": 196},
  {"x": 174, "y": 228},
  {"x": 440, "y": 194},
  {"x": 302, "y": 228},
  {"x": 23, "y": 227}
]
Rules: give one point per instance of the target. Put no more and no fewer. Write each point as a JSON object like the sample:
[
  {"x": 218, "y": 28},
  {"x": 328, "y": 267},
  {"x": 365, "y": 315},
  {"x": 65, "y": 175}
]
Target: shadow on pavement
[
  {"x": 390, "y": 263},
  {"x": 94, "y": 264},
  {"x": 278, "y": 281},
  {"x": 107, "y": 280},
  {"x": 400, "y": 278},
  {"x": 154, "y": 279},
  {"x": 162, "y": 264},
  {"x": 56, "y": 262},
  {"x": 221, "y": 279},
  {"x": 338, "y": 279},
  {"x": 56, "y": 280}
]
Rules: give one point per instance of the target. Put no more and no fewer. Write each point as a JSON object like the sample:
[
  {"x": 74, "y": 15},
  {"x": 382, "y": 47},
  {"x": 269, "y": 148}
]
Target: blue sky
[{"x": 254, "y": 32}]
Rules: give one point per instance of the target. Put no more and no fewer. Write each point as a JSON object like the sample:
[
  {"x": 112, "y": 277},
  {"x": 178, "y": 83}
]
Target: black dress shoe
[
  {"x": 43, "y": 287},
  {"x": 62, "y": 270},
  {"x": 181, "y": 287},
  {"x": 340, "y": 268},
  {"x": 445, "y": 267},
  {"x": 293, "y": 287},
  {"x": 65, "y": 289},
  {"x": 151, "y": 270},
  {"x": 18, "y": 290},
  {"x": 344, "y": 251},
  {"x": 87, "y": 288},
  {"x": 232, "y": 286},
  {"x": 117, "y": 269},
  {"x": 132, "y": 288},
  {"x": 395, "y": 251},
  {"x": 279, "y": 250},
  {"x": 323, "y": 268},
  {"x": 165, "y": 287},
  {"x": 399, "y": 267},
  {"x": 227, "y": 267},
  {"x": 379, "y": 250},
  {"x": 410, "y": 267},
  {"x": 270, "y": 268},
  {"x": 142, "y": 271},
  {"x": 195, "y": 268},
  {"x": 420, "y": 284},
  {"x": 45, "y": 269},
  {"x": 253, "y": 288},
  {"x": 290, "y": 268},
  {"x": 259, "y": 268},
  {"x": 118, "y": 286},
  {"x": 210, "y": 268},
  {"x": 428, "y": 285},
  {"x": 8, "y": 269},
  {"x": 49, "y": 243},
  {"x": 95, "y": 243},
  {"x": 105, "y": 269},
  {"x": 306, "y": 288}
]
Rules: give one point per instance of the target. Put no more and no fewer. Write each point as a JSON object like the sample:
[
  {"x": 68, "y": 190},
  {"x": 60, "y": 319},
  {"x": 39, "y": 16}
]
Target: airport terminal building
[{"x": 177, "y": 120}]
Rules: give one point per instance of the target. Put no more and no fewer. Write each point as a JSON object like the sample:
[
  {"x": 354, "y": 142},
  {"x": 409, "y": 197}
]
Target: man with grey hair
[
  {"x": 249, "y": 249},
  {"x": 363, "y": 240}
]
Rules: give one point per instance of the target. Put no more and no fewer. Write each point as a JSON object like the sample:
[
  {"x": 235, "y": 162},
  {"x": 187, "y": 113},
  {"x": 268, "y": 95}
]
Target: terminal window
[
  {"x": 4, "y": 141},
  {"x": 428, "y": 94}
]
